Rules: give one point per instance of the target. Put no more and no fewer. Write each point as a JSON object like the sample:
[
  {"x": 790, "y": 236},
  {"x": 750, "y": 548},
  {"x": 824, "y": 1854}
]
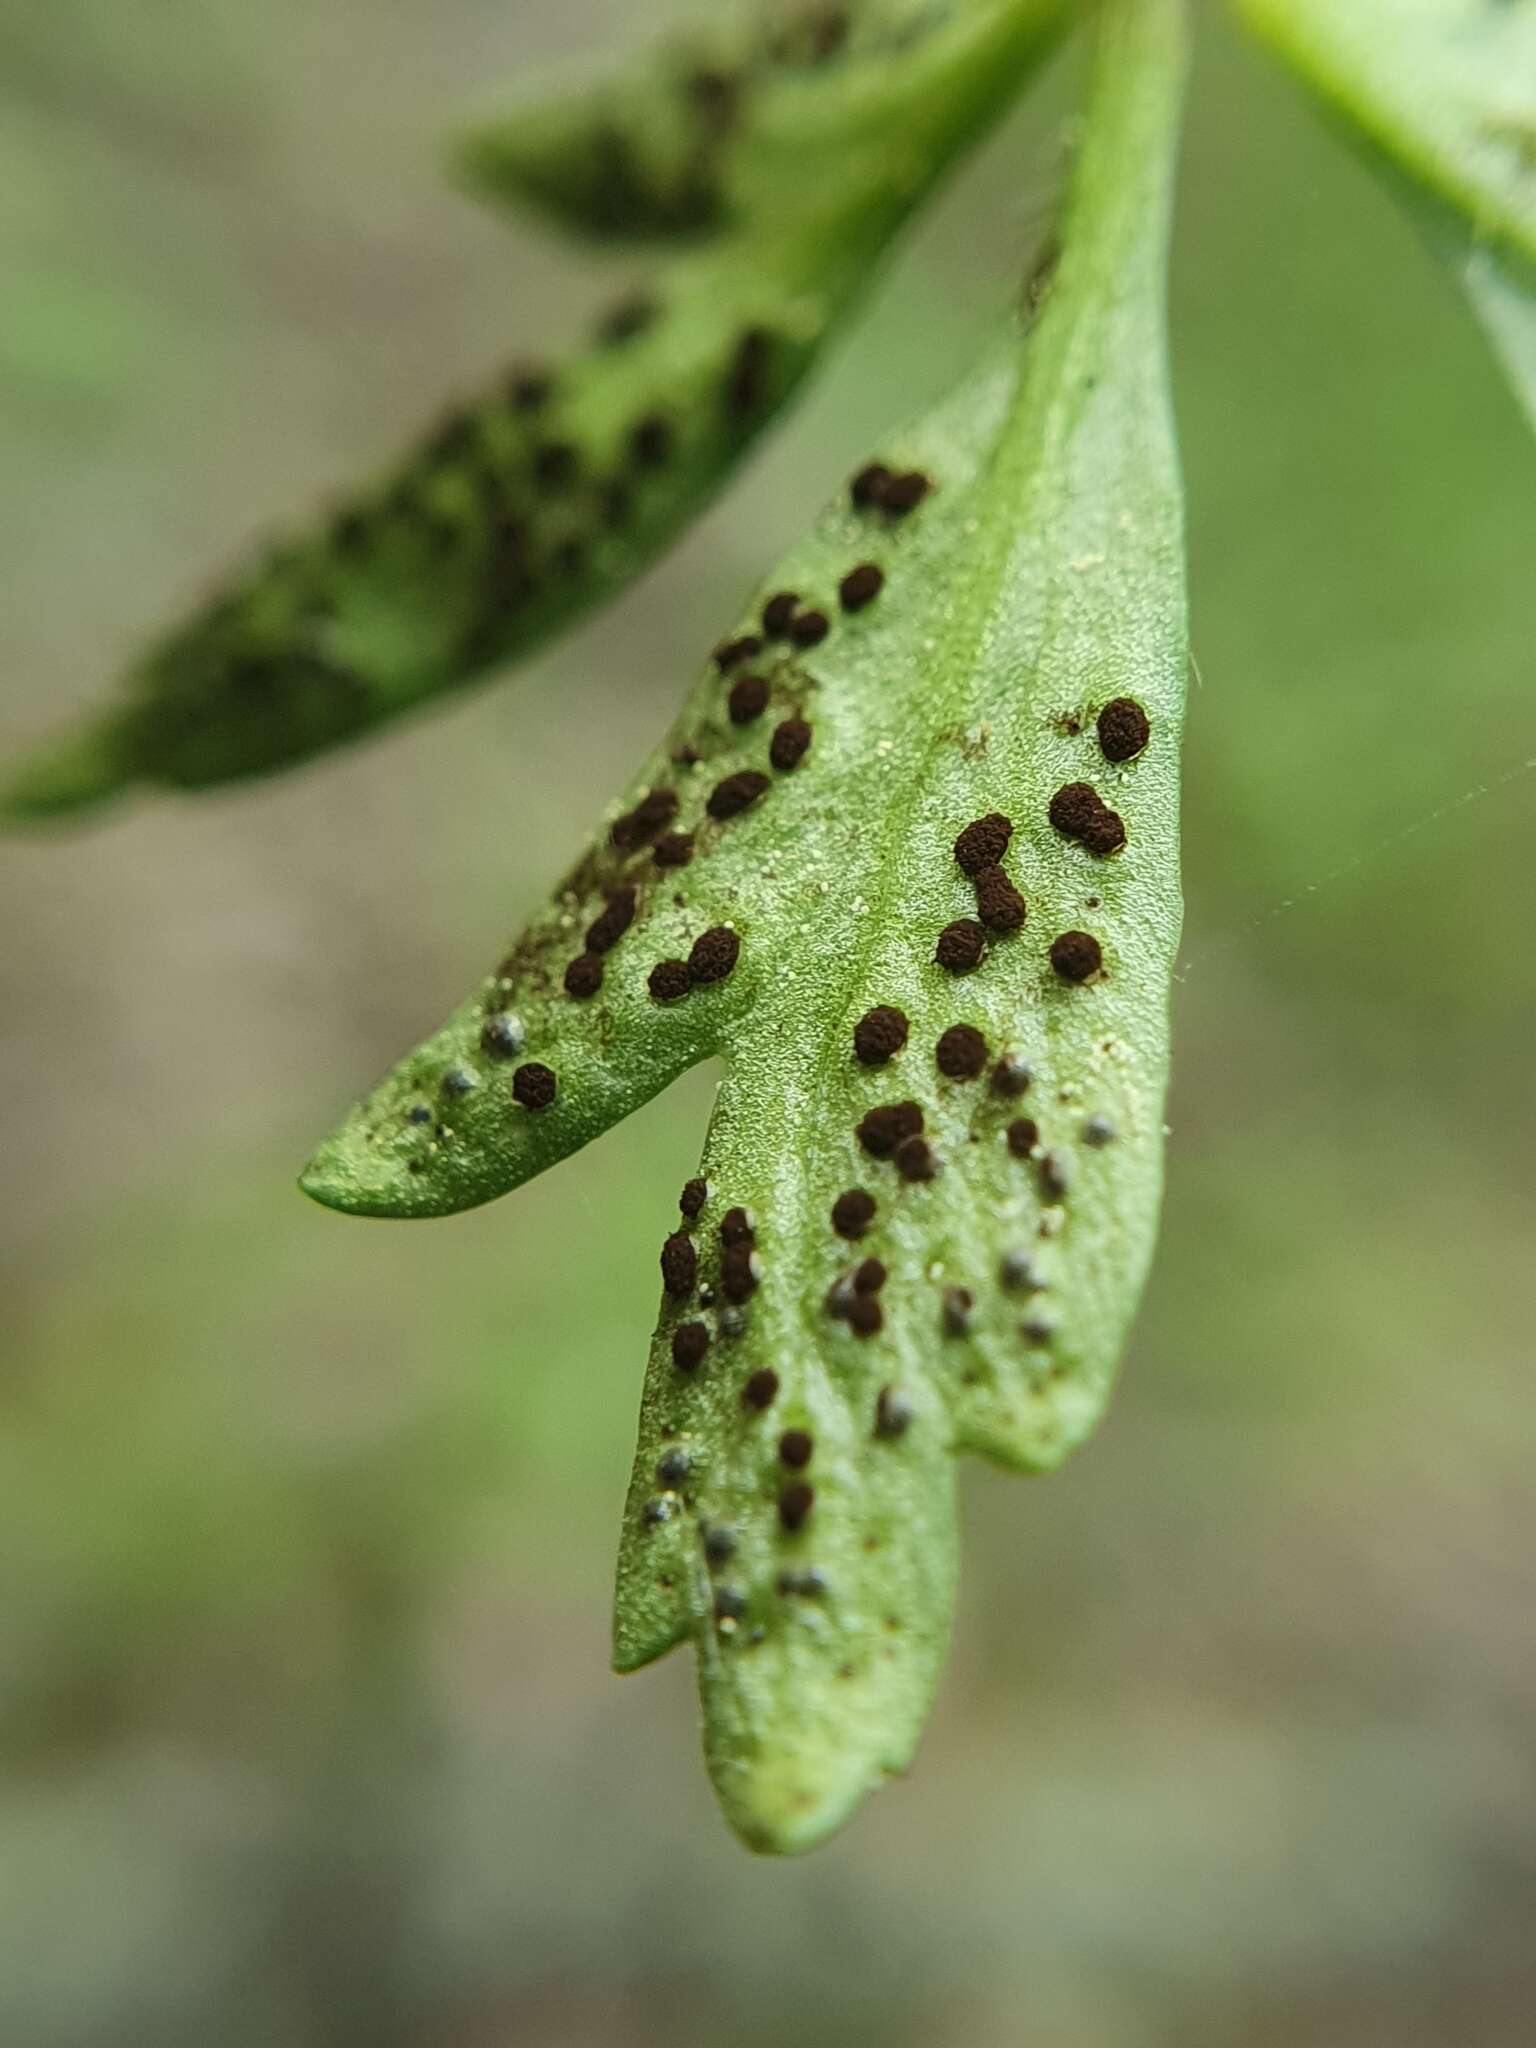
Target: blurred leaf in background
[{"x": 307, "y": 1528}]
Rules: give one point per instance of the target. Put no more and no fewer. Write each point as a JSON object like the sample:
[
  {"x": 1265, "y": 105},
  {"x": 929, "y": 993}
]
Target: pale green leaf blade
[
  {"x": 537, "y": 500},
  {"x": 1504, "y": 300},
  {"x": 1020, "y": 654}
]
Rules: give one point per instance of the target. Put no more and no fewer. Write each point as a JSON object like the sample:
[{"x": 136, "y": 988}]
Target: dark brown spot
[
  {"x": 730, "y": 1605},
  {"x": 904, "y": 492},
  {"x": 715, "y": 94},
  {"x": 555, "y": 464},
  {"x": 612, "y": 921},
  {"x": 868, "y": 487},
  {"x": 712, "y": 956},
  {"x": 865, "y": 1316},
  {"x": 584, "y": 976},
  {"x": 1124, "y": 729},
  {"x": 1079, "y": 812},
  {"x": 853, "y": 1212},
  {"x": 745, "y": 647},
  {"x": 796, "y": 1448},
  {"x": 914, "y": 1159},
  {"x": 651, "y": 441},
  {"x": 736, "y": 1227},
  {"x": 719, "y": 1543},
  {"x": 879, "y": 1035},
  {"x": 961, "y": 1052},
  {"x": 669, "y": 980},
  {"x": 983, "y": 842},
  {"x": 881, "y": 1130},
  {"x": 809, "y": 628},
  {"x": 748, "y": 699},
  {"x": 738, "y": 1272},
  {"x": 655, "y": 810},
  {"x": 673, "y": 850},
  {"x": 1023, "y": 1136},
  {"x": 695, "y": 1194},
  {"x": 998, "y": 904},
  {"x": 761, "y": 1389},
  {"x": 624, "y": 320},
  {"x": 869, "y": 1277},
  {"x": 795, "y": 1504},
  {"x": 534, "y": 1086},
  {"x": 617, "y": 501},
  {"x": 861, "y": 586},
  {"x": 530, "y": 388},
  {"x": 690, "y": 1341},
  {"x": 778, "y": 612},
  {"x": 746, "y": 383},
  {"x": 961, "y": 946},
  {"x": 958, "y": 1304},
  {"x": 679, "y": 1265},
  {"x": 893, "y": 1413},
  {"x": 1011, "y": 1075},
  {"x": 737, "y": 793},
  {"x": 1056, "y": 1175},
  {"x": 1076, "y": 956},
  {"x": 789, "y": 742}
]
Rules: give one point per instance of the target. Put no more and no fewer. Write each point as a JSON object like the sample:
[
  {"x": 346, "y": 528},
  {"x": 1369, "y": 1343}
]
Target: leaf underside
[
  {"x": 538, "y": 499},
  {"x": 929, "y": 1191},
  {"x": 1443, "y": 93}
]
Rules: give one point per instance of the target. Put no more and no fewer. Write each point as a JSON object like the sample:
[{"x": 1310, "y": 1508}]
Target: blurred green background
[{"x": 306, "y": 1525}]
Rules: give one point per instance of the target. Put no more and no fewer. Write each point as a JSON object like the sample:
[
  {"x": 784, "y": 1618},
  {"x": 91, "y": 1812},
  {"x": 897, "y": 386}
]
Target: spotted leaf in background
[
  {"x": 541, "y": 496},
  {"x": 908, "y": 865},
  {"x": 1444, "y": 94}
]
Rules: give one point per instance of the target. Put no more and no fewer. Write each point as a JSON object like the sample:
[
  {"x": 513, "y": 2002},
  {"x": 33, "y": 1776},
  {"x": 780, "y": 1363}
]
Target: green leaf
[
  {"x": 720, "y": 129},
  {"x": 930, "y": 1187},
  {"x": 539, "y": 499},
  {"x": 1443, "y": 93}
]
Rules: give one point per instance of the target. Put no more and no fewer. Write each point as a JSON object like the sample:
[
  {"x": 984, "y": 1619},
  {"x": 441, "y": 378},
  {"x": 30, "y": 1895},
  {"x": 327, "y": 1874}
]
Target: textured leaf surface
[
  {"x": 931, "y": 1181},
  {"x": 1444, "y": 91},
  {"x": 545, "y": 494}
]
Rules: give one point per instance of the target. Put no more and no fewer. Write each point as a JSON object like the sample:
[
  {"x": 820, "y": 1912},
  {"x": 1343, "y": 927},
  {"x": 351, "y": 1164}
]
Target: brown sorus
[
  {"x": 748, "y": 699},
  {"x": 998, "y": 904},
  {"x": 690, "y": 1341},
  {"x": 679, "y": 1265},
  {"x": 655, "y": 810},
  {"x": 1124, "y": 729},
  {"x": 914, "y": 1159},
  {"x": 795, "y": 1504},
  {"x": 669, "y": 980},
  {"x": 983, "y": 842},
  {"x": 534, "y": 1086},
  {"x": 713, "y": 954},
  {"x": 736, "y": 793},
  {"x": 861, "y": 586},
  {"x": 673, "y": 850},
  {"x": 789, "y": 742},
  {"x": 882, "y": 1129},
  {"x": 961, "y": 946},
  {"x": 761, "y": 1389},
  {"x": 961, "y": 1052},
  {"x": 853, "y": 1212},
  {"x": 1076, "y": 956},
  {"x": 584, "y": 976},
  {"x": 879, "y": 1034},
  {"x": 612, "y": 921}
]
